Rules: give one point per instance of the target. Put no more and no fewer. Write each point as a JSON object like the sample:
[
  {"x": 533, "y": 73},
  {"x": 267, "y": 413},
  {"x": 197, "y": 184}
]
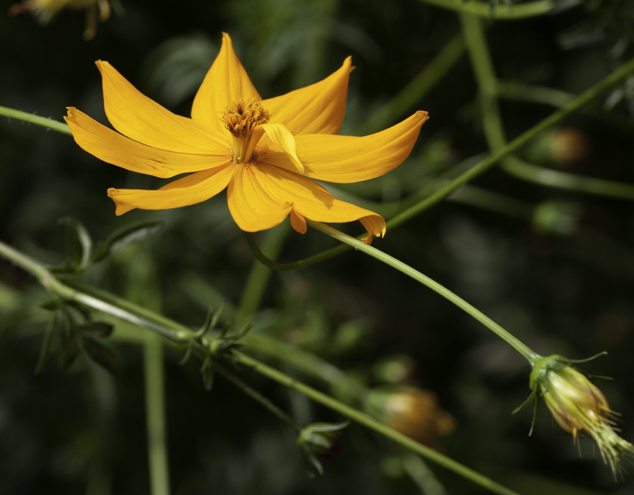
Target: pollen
[{"x": 241, "y": 117}]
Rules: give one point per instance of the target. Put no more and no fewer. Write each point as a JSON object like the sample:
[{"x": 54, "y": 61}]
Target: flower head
[
  {"x": 45, "y": 10},
  {"x": 578, "y": 406},
  {"x": 266, "y": 153},
  {"x": 412, "y": 411}
]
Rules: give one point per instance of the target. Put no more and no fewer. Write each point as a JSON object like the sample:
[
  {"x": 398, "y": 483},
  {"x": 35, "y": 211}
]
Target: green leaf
[
  {"x": 78, "y": 243},
  {"x": 100, "y": 353},
  {"x": 70, "y": 350},
  {"x": 49, "y": 342},
  {"x": 125, "y": 237}
]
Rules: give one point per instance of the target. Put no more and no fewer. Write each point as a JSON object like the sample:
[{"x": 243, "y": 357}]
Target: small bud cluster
[
  {"x": 242, "y": 117},
  {"x": 579, "y": 407}
]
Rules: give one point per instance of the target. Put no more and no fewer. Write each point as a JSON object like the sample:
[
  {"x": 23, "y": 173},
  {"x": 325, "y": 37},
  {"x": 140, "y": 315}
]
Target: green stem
[
  {"x": 54, "y": 125},
  {"x": 578, "y": 103},
  {"x": 339, "y": 382},
  {"x": 372, "y": 424},
  {"x": 259, "y": 275},
  {"x": 155, "y": 414},
  {"x": 494, "y": 131},
  {"x": 571, "y": 182},
  {"x": 519, "y": 346},
  {"x": 502, "y": 12},
  {"x": 418, "y": 87},
  {"x": 255, "y": 395},
  {"x": 124, "y": 310}
]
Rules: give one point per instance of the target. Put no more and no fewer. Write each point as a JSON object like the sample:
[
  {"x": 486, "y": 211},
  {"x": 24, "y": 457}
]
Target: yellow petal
[
  {"x": 194, "y": 188},
  {"x": 312, "y": 201},
  {"x": 225, "y": 82},
  {"x": 347, "y": 159},
  {"x": 141, "y": 119},
  {"x": 315, "y": 109},
  {"x": 281, "y": 136},
  {"x": 112, "y": 147},
  {"x": 251, "y": 206},
  {"x": 298, "y": 222}
]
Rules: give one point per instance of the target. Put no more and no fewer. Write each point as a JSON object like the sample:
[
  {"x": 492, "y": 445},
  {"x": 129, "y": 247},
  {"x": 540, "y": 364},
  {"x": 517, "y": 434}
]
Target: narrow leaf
[
  {"x": 49, "y": 342},
  {"x": 78, "y": 242},
  {"x": 126, "y": 237},
  {"x": 100, "y": 353}
]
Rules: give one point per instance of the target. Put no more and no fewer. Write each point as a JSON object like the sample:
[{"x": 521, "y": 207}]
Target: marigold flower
[
  {"x": 579, "y": 407},
  {"x": 265, "y": 152},
  {"x": 45, "y": 10}
]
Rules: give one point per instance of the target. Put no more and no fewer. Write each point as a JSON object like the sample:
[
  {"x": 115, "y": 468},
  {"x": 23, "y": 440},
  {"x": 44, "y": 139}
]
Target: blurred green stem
[
  {"x": 259, "y": 275},
  {"x": 339, "y": 382},
  {"x": 155, "y": 413},
  {"x": 418, "y": 87},
  {"x": 497, "y": 155},
  {"x": 372, "y": 424},
  {"x": 484, "y": 9},
  {"x": 473, "y": 31},
  {"x": 125, "y": 310},
  {"x": 516, "y": 344},
  {"x": 256, "y": 396},
  {"x": 35, "y": 119}
]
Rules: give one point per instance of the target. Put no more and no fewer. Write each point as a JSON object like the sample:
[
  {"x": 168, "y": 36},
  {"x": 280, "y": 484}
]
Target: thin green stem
[
  {"x": 126, "y": 311},
  {"x": 482, "y": 65},
  {"x": 578, "y": 103},
  {"x": 571, "y": 182},
  {"x": 339, "y": 382},
  {"x": 259, "y": 275},
  {"x": 256, "y": 396},
  {"x": 502, "y": 12},
  {"x": 559, "y": 99},
  {"x": 494, "y": 131},
  {"x": 54, "y": 125},
  {"x": 519, "y": 346},
  {"x": 418, "y": 87},
  {"x": 155, "y": 414},
  {"x": 582, "y": 100},
  {"x": 372, "y": 424}
]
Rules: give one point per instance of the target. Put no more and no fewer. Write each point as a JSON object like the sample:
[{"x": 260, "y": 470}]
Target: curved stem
[
  {"x": 259, "y": 275},
  {"x": 127, "y": 311},
  {"x": 54, "y": 125},
  {"x": 502, "y": 12},
  {"x": 571, "y": 182},
  {"x": 494, "y": 130},
  {"x": 256, "y": 396},
  {"x": 422, "y": 83},
  {"x": 372, "y": 424},
  {"x": 519, "y": 346},
  {"x": 497, "y": 155}
]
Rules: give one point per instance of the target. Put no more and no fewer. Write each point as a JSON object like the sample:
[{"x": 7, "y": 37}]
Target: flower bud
[
  {"x": 320, "y": 442},
  {"x": 46, "y": 10},
  {"x": 412, "y": 411},
  {"x": 578, "y": 406}
]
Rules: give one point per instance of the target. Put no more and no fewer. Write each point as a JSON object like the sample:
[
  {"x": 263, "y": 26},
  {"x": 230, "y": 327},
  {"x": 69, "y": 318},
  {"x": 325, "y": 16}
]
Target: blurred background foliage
[{"x": 555, "y": 267}]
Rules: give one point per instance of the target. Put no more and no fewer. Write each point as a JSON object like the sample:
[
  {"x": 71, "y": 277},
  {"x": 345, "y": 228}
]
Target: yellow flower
[
  {"x": 265, "y": 152},
  {"x": 45, "y": 10},
  {"x": 579, "y": 407}
]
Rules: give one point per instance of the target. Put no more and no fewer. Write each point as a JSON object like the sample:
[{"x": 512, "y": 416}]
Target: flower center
[{"x": 241, "y": 118}]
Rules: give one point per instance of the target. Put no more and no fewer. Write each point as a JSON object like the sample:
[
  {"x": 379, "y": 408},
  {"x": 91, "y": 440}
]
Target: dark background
[{"x": 559, "y": 275}]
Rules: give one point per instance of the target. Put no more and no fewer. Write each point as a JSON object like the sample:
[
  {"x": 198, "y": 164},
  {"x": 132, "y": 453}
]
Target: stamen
[{"x": 242, "y": 117}]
